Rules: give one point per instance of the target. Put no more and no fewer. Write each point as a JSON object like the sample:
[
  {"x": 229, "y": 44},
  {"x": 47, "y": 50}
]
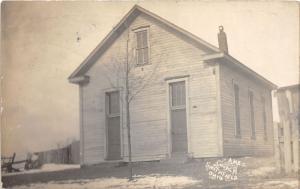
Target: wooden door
[
  {"x": 178, "y": 117},
  {"x": 113, "y": 126}
]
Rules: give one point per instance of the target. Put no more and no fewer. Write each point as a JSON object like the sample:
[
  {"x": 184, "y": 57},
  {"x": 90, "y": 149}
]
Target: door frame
[
  {"x": 106, "y": 91},
  {"x": 187, "y": 104}
]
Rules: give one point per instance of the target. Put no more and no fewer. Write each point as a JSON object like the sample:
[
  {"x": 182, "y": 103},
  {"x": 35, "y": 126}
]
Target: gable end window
[
  {"x": 237, "y": 110},
  {"x": 142, "y": 46},
  {"x": 251, "y": 113}
]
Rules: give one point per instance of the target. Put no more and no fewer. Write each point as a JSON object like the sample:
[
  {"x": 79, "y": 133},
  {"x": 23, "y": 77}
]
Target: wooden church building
[{"x": 196, "y": 100}]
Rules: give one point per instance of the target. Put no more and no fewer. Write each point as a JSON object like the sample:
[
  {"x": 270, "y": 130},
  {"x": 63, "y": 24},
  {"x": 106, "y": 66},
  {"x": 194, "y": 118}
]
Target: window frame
[
  {"x": 140, "y": 29},
  {"x": 237, "y": 135},
  {"x": 107, "y": 115},
  {"x": 252, "y": 113},
  {"x": 264, "y": 117},
  {"x": 292, "y": 152},
  {"x": 169, "y": 80},
  {"x": 108, "y": 99},
  {"x": 281, "y": 131},
  {"x": 181, "y": 106}
]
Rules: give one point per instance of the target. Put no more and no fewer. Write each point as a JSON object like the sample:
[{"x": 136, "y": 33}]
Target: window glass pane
[
  {"x": 177, "y": 88},
  {"x": 178, "y": 94},
  {"x": 292, "y": 152},
  {"x": 264, "y": 117},
  {"x": 145, "y": 50},
  {"x": 237, "y": 110},
  {"x": 139, "y": 40},
  {"x": 183, "y": 94},
  {"x": 114, "y": 106},
  {"x": 252, "y": 120},
  {"x": 142, "y": 47},
  {"x": 174, "y": 95},
  {"x": 281, "y": 132},
  {"x": 144, "y": 39},
  {"x": 140, "y": 56},
  {"x": 291, "y": 128}
]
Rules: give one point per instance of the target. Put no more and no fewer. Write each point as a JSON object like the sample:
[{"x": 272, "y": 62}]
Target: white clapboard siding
[
  {"x": 175, "y": 56},
  {"x": 244, "y": 145}
]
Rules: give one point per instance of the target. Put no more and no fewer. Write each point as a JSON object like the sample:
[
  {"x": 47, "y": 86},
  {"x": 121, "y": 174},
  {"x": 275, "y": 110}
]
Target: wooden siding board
[{"x": 245, "y": 145}]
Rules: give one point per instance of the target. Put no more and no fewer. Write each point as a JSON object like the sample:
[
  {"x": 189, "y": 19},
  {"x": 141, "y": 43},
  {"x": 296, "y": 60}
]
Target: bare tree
[{"x": 132, "y": 79}]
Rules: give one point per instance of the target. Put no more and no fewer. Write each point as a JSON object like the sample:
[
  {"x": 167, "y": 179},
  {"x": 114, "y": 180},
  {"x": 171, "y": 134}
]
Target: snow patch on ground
[
  {"x": 262, "y": 171},
  {"x": 151, "y": 181},
  {"x": 58, "y": 167},
  {"x": 278, "y": 184},
  {"x": 46, "y": 168},
  {"x": 254, "y": 162}
]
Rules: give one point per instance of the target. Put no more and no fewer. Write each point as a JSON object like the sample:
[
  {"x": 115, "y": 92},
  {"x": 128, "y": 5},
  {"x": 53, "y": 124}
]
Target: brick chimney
[{"x": 222, "y": 39}]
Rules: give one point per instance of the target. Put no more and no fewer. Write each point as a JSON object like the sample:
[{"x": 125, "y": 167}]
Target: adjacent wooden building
[
  {"x": 199, "y": 101},
  {"x": 288, "y": 131}
]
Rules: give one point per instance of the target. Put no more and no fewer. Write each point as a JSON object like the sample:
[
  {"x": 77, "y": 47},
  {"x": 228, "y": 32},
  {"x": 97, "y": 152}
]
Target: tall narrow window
[
  {"x": 142, "y": 49},
  {"x": 237, "y": 111},
  {"x": 281, "y": 132},
  {"x": 291, "y": 129},
  {"x": 252, "y": 119},
  {"x": 264, "y": 115},
  {"x": 292, "y": 152}
]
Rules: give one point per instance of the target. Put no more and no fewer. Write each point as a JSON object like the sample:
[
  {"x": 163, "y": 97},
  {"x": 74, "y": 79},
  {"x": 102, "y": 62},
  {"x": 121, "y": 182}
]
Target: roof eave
[
  {"x": 79, "y": 80},
  {"x": 241, "y": 66}
]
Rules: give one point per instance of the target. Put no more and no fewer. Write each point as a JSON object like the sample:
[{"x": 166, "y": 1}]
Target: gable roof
[{"x": 215, "y": 53}]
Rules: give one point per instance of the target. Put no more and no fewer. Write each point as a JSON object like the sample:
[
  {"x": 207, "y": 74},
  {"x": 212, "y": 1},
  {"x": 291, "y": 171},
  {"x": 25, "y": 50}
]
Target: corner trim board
[
  {"x": 219, "y": 110},
  {"x": 81, "y": 126}
]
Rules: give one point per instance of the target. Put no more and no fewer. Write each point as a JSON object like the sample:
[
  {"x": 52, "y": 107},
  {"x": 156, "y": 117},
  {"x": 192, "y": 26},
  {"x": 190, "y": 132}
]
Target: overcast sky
[{"x": 43, "y": 42}]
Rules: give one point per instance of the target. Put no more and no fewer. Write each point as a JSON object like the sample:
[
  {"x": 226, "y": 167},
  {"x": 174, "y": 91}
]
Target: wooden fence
[{"x": 65, "y": 155}]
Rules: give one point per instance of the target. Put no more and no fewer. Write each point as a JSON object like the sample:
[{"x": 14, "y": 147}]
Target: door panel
[
  {"x": 113, "y": 127},
  {"x": 179, "y": 131},
  {"x": 113, "y": 135},
  {"x": 178, "y": 117}
]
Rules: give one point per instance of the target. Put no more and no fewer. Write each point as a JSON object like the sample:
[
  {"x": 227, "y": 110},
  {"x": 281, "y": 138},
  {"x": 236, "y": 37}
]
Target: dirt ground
[{"x": 257, "y": 173}]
